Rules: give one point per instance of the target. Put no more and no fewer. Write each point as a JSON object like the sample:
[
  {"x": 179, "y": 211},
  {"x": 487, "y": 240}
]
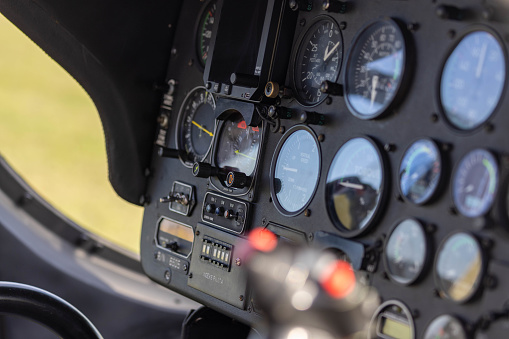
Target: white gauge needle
[
  {"x": 374, "y": 83},
  {"x": 329, "y": 53},
  {"x": 480, "y": 64},
  {"x": 352, "y": 185}
]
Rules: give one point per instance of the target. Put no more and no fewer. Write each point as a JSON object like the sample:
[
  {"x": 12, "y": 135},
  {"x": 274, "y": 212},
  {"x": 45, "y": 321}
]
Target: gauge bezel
[
  {"x": 156, "y": 241},
  {"x": 427, "y": 254},
  {"x": 384, "y": 187},
  {"x": 477, "y": 286},
  {"x": 438, "y": 87},
  {"x": 295, "y": 55},
  {"x": 406, "y": 72},
  {"x": 179, "y": 129},
  {"x": 497, "y": 188},
  {"x": 441, "y": 176},
  {"x": 466, "y": 333},
  {"x": 203, "y": 10},
  {"x": 381, "y": 308},
  {"x": 217, "y": 182},
  {"x": 273, "y": 168}
]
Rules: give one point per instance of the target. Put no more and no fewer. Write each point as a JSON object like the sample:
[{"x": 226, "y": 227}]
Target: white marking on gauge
[
  {"x": 290, "y": 169},
  {"x": 352, "y": 185}
]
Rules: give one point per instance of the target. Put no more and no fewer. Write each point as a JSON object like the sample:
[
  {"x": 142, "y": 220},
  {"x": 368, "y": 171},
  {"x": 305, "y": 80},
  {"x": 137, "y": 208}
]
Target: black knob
[
  {"x": 332, "y": 88},
  {"x": 174, "y": 246},
  {"x": 280, "y": 112},
  {"x": 204, "y": 170},
  {"x": 237, "y": 180},
  {"x": 165, "y": 152},
  {"x": 244, "y": 80},
  {"x": 210, "y": 208},
  {"x": 228, "y": 214},
  {"x": 335, "y": 6},
  {"x": 219, "y": 211},
  {"x": 448, "y": 12},
  {"x": 312, "y": 118},
  {"x": 303, "y": 5}
]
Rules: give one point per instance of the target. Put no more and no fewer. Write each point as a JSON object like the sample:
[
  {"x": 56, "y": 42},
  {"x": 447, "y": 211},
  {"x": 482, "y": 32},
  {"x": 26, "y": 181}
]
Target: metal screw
[
  {"x": 250, "y": 309},
  {"x": 434, "y": 117},
  {"x": 342, "y": 25},
  {"x": 173, "y": 51},
  {"x": 148, "y": 172},
  {"x": 487, "y": 243},
  {"x": 190, "y": 275},
  {"x": 264, "y": 221},
  {"x": 451, "y": 34},
  {"x": 453, "y": 210},
  {"x": 430, "y": 228},
  {"x": 389, "y": 147},
  {"x": 302, "y": 22},
  {"x": 446, "y": 147},
  {"x": 385, "y": 276},
  {"x": 167, "y": 276},
  {"x": 436, "y": 293},
  {"x": 416, "y": 313},
  {"x": 190, "y": 62},
  {"x": 310, "y": 236},
  {"x": 307, "y": 213},
  {"x": 399, "y": 197},
  {"x": 321, "y": 137},
  {"x": 241, "y": 298},
  {"x": 489, "y": 127},
  {"x": 197, "y": 233},
  {"x": 238, "y": 262},
  {"x": 328, "y": 101},
  {"x": 184, "y": 267},
  {"x": 413, "y": 27},
  {"x": 281, "y": 129}
]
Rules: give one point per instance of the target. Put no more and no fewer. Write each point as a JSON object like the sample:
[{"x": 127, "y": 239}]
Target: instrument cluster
[{"x": 375, "y": 129}]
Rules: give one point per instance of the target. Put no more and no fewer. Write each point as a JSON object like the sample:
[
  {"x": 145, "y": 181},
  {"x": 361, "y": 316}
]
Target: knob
[
  {"x": 237, "y": 180},
  {"x": 219, "y": 211},
  {"x": 228, "y": 214},
  {"x": 174, "y": 246},
  {"x": 210, "y": 208},
  {"x": 280, "y": 112},
  {"x": 167, "y": 199},
  {"x": 312, "y": 118},
  {"x": 303, "y": 5},
  {"x": 332, "y": 88},
  {"x": 335, "y": 6},
  {"x": 204, "y": 170},
  {"x": 272, "y": 89},
  {"x": 244, "y": 80},
  {"x": 448, "y": 12},
  {"x": 165, "y": 152}
]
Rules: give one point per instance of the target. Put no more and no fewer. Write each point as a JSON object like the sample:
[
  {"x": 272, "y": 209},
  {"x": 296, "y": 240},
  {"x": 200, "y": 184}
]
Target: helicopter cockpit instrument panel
[{"x": 375, "y": 129}]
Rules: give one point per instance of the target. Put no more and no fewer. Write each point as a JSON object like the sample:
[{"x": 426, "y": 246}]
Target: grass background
[{"x": 50, "y": 132}]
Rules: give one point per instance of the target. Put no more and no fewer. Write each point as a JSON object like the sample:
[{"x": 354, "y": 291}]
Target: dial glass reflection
[
  {"x": 445, "y": 327},
  {"x": 354, "y": 185},
  {"x": 296, "y": 171},
  {"x": 472, "y": 80}
]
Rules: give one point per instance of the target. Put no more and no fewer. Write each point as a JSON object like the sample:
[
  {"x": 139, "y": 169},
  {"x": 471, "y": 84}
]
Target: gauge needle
[
  {"x": 352, "y": 185},
  {"x": 329, "y": 53},
  {"x": 374, "y": 83},
  {"x": 480, "y": 64},
  {"x": 202, "y": 128},
  {"x": 244, "y": 155}
]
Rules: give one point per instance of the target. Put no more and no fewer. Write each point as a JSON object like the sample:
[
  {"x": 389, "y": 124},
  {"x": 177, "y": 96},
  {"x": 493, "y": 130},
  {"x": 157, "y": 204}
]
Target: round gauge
[
  {"x": 420, "y": 171},
  {"x": 204, "y": 33},
  {"x": 195, "y": 126},
  {"x": 472, "y": 80},
  {"x": 295, "y": 170},
  {"x": 318, "y": 59},
  {"x": 406, "y": 252},
  {"x": 445, "y": 327},
  {"x": 355, "y": 186},
  {"x": 475, "y": 183},
  {"x": 238, "y": 145},
  {"x": 375, "y": 69},
  {"x": 392, "y": 320},
  {"x": 459, "y": 267}
]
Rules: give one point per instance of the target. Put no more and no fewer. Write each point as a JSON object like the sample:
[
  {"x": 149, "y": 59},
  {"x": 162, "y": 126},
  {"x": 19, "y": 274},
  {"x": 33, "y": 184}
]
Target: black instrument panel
[{"x": 425, "y": 163}]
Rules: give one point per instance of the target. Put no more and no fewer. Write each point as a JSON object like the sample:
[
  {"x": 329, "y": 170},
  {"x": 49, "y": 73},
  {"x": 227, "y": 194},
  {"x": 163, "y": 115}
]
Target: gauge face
[
  {"x": 475, "y": 183},
  {"x": 238, "y": 144},
  {"x": 406, "y": 252},
  {"x": 355, "y": 185},
  {"x": 473, "y": 80},
  {"x": 196, "y": 125},
  {"x": 445, "y": 327},
  {"x": 375, "y": 69},
  {"x": 420, "y": 171},
  {"x": 392, "y": 320},
  {"x": 204, "y": 33},
  {"x": 296, "y": 170},
  {"x": 458, "y": 267},
  {"x": 318, "y": 59}
]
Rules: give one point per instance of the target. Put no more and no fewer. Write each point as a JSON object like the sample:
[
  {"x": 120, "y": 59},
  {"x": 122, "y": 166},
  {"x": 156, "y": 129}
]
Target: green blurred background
[{"x": 51, "y": 134}]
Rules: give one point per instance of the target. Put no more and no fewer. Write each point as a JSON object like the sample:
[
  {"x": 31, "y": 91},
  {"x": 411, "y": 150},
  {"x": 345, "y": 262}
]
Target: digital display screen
[
  {"x": 395, "y": 329},
  {"x": 238, "y": 39},
  {"x": 177, "y": 230}
]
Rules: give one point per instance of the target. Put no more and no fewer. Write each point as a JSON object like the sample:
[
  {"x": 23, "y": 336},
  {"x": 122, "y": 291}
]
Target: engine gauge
[
  {"x": 459, "y": 267},
  {"x": 472, "y": 80},
  {"x": 445, "y": 327},
  {"x": 318, "y": 58},
  {"x": 295, "y": 170},
  {"x": 475, "y": 183},
  {"x": 420, "y": 171},
  {"x": 238, "y": 145},
  {"x": 204, "y": 32},
  {"x": 406, "y": 252},
  {"x": 376, "y": 69},
  {"x": 392, "y": 320},
  {"x": 355, "y": 186},
  {"x": 196, "y": 126}
]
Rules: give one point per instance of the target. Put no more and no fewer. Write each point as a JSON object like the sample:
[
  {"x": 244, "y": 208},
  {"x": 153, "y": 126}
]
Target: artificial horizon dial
[
  {"x": 318, "y": 59},
  {"x": 375, "y": 69},
  {"x": 196, "y": 126},
  {"x": 204, "y": 33}
]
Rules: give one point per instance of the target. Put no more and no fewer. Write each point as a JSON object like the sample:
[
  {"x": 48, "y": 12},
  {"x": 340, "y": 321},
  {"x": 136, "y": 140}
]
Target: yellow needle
[
  {"x": 201, "y": 127},
  {"x": 244, "y": 155}
]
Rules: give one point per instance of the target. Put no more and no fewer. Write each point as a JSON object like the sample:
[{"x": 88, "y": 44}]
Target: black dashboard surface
[{"x": 397, "y": 56}]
